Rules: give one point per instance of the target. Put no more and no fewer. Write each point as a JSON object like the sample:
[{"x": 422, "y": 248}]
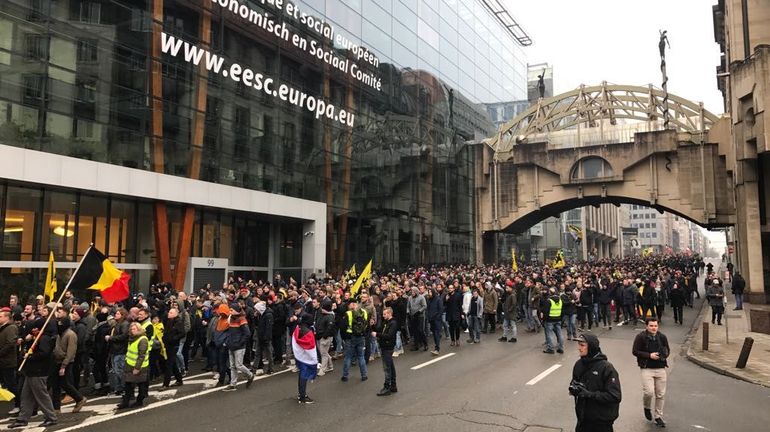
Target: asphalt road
[{"x": 478, "y": 388}]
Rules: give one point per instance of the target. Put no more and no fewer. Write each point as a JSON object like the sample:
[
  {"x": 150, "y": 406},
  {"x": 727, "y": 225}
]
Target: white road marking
[
  {"x": 428, "y": 363},
  {"x": 103, "y": 418},
  {"x": 154, "y": 386},
  {"x": 543, "y": 374},
  {"x": 700, "y": 427}
]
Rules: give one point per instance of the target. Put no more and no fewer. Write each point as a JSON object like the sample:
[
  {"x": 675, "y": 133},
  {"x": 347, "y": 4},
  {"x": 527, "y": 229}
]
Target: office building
[{"x": 261, "y": 136}]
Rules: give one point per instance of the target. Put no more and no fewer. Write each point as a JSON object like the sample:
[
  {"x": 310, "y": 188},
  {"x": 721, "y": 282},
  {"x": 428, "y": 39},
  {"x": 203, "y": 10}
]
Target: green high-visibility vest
[
  {"x": 555, "y": 311},
  {"x": 133, "y": 353}
]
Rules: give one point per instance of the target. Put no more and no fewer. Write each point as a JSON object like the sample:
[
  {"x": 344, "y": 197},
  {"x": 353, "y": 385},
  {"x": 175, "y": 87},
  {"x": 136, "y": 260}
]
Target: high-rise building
[{"x": 293, "y": 137}]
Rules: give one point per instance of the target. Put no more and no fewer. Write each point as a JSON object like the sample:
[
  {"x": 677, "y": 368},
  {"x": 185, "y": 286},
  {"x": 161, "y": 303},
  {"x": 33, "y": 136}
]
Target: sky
[{"x": 590, "y": 41}]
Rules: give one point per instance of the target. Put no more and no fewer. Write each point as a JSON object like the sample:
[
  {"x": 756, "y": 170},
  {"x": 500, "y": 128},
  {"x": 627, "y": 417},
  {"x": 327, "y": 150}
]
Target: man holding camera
[{"x": 595, "y": 386}]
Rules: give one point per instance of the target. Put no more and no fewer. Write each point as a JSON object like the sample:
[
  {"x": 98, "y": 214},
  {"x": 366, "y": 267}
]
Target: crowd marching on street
[{"x": 247, "y": 328}]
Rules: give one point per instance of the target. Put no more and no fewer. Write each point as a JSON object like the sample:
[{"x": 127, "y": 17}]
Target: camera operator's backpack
[{"x": 359, "y": 323}]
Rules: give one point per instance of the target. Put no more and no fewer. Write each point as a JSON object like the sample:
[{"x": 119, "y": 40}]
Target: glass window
[
  {"x": 91, "y": 220},
  {"x": 122, "y": 231},
  {"x": 379, "y": 17},
  {"x": 21, "y": 208},
  {"x": 290, "y": 245},
  {"x": 58, "y": 228}
]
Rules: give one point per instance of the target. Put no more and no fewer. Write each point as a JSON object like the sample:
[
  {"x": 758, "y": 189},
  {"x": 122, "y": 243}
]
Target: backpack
[
  {"x": 359, "y": 323},
  {"x": 187, "y": 322}
]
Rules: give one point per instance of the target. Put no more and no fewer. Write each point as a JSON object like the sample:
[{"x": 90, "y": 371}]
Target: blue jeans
[
  {"x": 532, "y": 322},
  {"x": 571, "y": 321},
  {"x": 118, "y": 367},
  {"x": 399, "y": 345},
  {"x": 551, "y": 328},
  {"x": 354, "y": 348},
  {"x": 474, "y": 328},
  {"x": 739, "y": 301},
  {"x": 180, "y": 355},
  {"x": 338, "y": 342},
  {"x": 509, "y": 328}
]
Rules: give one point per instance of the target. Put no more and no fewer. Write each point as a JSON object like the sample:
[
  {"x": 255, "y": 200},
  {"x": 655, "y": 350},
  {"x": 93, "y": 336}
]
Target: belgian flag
[{"x": 96, "y": 272}]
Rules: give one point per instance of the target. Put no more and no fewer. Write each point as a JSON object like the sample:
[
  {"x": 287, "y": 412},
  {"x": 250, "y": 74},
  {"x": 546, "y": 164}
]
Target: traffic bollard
[{"x": 745, "y": 351}]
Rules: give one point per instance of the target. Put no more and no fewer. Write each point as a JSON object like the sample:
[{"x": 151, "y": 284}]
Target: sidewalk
[{"x": 721, "y": 357}]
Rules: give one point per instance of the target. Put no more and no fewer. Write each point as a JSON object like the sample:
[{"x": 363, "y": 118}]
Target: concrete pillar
[
  {"x": 748, "y": 244},
  {"x": 313, "y": 249}
]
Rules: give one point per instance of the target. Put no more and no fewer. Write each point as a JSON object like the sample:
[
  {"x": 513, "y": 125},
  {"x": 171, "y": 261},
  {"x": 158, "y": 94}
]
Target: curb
[
  {"x": 687, "y": 352},
  {"x": 722, "y": 371}
]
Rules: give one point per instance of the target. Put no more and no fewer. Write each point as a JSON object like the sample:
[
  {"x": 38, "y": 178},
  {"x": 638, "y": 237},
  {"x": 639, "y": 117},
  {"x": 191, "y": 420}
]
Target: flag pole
[{"x": 50, "y": 314}]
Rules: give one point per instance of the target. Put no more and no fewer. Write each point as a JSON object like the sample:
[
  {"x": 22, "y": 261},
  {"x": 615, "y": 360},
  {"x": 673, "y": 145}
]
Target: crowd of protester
[{"x": 245, "y": 328}]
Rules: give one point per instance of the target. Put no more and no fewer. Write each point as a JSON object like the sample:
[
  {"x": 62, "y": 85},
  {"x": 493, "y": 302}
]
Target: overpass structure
[{"x": 605, "y": 144}]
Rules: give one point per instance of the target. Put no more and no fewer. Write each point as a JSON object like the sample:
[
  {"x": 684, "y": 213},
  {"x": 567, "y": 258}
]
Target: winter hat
[
  {"x": 80, "y": 312},
  {"x": 235, "y": 310},
  {"x": 326, "y": 305}
]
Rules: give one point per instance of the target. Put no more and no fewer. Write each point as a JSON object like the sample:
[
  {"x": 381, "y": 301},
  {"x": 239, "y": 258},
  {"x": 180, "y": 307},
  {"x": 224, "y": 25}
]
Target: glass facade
[
  {"x": 37, "y": 220},
  {"x": 92, "y": 79}
]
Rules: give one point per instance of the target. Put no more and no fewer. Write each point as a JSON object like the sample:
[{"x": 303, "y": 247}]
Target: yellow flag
[
  {"x": 514, "y": 264},
  {"x": 558, "y": 262},
  {"x": 365, "y": 275},
  {"x": 647, "y": 252},
  {"x": 352, "y": 272},
  {"x": 50, "y": 278}
]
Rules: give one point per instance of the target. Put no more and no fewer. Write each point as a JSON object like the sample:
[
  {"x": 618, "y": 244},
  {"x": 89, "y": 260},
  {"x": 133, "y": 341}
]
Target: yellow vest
[
  {"x": 555, "y": 311},
  {"x": 133, "y": 353},
  {"x": 146, "y": 323}
]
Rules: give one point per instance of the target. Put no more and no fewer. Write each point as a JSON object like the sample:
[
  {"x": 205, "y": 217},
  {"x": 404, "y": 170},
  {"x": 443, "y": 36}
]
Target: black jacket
[
  {"x": 739, "y": 284},
  {"x": 280, "y": 315},
  {"x": 677, "y": 297},
  {"x": 642, "y": 350},
  {"x": 325, "y": 325},
  {"x": 386, "y": 336},
  {"x": 40, "y": 362},
  {"x": 435, "y": 308},
  {"x": 174, "y": 332},
  {"x": 454, "y": 306},
  {"x": 265, "y": 326},
  {"x": 601, "y": 402},
  {"x": 238, "y": 336}
]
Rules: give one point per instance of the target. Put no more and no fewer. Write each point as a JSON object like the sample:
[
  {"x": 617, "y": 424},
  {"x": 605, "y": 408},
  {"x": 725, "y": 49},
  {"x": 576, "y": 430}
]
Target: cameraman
[{"x": 595, "y": 386}]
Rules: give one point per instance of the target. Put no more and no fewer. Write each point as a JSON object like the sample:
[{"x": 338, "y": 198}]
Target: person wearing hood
[
  {"x": 263, "y": 338},
  {"x": 325, "y": 331},
  {"x": 595, "y": 386},
  {"x": 435, "y": 312},
  {"x": 65, "y": 354},
  {"x": 38, "y": 364},
  {"x": 238, "y": 336}
]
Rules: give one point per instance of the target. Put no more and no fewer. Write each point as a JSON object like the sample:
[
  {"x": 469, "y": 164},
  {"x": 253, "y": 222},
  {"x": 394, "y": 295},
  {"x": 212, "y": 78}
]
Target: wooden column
[
  {"x": 327, "y": 142},
  {"x": 162, "y": 250},
  {"x": 199, "y": 128},
  {"x": 347, "y": 161}
]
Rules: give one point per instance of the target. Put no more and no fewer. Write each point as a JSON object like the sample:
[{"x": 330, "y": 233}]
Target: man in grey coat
[{"x": 415, "y": 310}]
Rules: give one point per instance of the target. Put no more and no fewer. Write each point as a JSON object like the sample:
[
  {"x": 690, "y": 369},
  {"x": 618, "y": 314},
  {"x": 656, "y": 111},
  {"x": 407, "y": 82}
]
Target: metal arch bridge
[{"x": 596, "y": 106}]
